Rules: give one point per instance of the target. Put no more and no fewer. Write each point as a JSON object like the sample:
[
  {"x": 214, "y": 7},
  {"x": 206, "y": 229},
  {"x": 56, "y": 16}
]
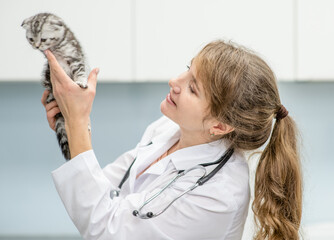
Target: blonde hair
[{"x": 243, "y": 93}]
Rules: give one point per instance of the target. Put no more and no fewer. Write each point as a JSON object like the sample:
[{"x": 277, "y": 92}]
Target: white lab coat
[{"x": 215, "y": 210}]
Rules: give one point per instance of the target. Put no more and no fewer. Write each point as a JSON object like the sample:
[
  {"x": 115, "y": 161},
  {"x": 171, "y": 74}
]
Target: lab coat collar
[
  {"x": 182, "y": 159},
  {"x": 204, "y": 153},
  {"x": 152, "y": 150},
  {"x": 171, "y": 136},
  {"x": 187, "y": 157}
]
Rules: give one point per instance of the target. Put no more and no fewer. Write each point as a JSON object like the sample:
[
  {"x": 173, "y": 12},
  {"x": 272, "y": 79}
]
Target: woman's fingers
[
  {"x": 58, "y": 75},
  {"x": 53, "y": 63},
  {"x": 51, "y": 105},
  {"x": 92, "y": 78},
  {"x": 51, "y": 109},
  {"x": 44, "y": 97},
  {"x": 74, "y": 102},
  {"x": 50, "y": 115}
]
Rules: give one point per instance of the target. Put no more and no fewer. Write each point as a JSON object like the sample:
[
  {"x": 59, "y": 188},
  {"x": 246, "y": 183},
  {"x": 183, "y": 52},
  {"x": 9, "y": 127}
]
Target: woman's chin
[{"x": 164, "y": 108}]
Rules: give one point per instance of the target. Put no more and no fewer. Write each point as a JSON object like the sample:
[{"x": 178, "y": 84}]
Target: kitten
[{"x": 47, "y": 31}]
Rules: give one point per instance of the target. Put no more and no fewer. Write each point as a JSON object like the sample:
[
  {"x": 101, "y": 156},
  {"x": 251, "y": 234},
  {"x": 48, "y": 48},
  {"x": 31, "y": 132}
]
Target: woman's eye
[
  {"x": 191, "y": 89},
  {"x": 31, "y": 39},
  {"x": 188, "y": 67},
  {"x": 43, "y": 40}
]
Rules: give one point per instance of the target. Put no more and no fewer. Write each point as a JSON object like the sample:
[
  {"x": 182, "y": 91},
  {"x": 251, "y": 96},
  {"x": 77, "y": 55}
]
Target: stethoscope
[{"x": 204, "y": 178}]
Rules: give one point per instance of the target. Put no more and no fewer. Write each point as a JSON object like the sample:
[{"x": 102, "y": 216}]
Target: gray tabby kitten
[{"x": 47, "y": 31}]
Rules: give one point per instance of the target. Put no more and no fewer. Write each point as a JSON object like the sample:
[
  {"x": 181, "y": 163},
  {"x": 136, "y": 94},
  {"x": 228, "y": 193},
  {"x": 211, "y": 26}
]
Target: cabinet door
[
  {"x": 103, "y": 28},
  {"x": 315, "y": 40},
  {"x": 169, "y": 33}
]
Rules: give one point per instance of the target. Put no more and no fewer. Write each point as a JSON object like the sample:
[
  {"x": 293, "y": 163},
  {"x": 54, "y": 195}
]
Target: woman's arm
[{"x": 74, "y": 103}]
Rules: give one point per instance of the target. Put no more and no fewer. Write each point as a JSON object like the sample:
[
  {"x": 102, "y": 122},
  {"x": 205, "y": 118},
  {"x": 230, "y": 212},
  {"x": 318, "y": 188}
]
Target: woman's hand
[
  {"x": 75, "y": 104},
  {"x": 52, "y": 110}
]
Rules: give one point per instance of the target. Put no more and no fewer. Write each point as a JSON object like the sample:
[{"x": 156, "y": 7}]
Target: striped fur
[{"x": 47, "y": 31}]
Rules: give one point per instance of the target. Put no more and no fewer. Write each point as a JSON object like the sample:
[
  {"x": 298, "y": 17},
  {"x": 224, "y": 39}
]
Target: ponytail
[
  {"x": 277, "y": 204},
  {"x": 243, "y": 93}
]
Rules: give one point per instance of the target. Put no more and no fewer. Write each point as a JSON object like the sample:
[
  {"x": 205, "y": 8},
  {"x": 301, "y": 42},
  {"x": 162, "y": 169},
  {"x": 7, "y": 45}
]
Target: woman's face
[{"x": 186, "y": 104}]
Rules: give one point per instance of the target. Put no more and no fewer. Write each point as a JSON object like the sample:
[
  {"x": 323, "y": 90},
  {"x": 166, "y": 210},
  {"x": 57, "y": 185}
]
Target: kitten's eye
[
  {"x": 31, "y": 39},
  {"x": 43, "y": 40}
]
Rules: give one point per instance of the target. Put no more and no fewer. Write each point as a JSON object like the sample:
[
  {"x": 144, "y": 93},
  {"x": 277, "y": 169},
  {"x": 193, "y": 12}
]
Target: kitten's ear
[
  {"x": 57, "y": 23},
  {"x": 26, "y": 22}
]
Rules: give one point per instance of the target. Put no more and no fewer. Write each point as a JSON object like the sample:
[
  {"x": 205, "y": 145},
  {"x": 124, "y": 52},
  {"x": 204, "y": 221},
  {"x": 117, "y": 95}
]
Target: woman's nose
[{"x": 174, "y": 86}]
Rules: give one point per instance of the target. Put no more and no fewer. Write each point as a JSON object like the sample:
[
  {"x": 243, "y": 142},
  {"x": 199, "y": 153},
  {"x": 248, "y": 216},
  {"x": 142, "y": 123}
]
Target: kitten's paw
[
  {"x": 82, "y": 85},
  {"x": 82, "y": 82}
]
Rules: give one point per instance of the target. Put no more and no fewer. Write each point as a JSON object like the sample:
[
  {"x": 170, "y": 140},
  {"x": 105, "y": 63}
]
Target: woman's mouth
[{"x": 170, "y": 100}]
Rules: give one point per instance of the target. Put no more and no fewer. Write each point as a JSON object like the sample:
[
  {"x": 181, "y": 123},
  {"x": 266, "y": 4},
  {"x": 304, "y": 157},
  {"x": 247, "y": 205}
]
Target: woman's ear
[{"x": 221, "y": 129}]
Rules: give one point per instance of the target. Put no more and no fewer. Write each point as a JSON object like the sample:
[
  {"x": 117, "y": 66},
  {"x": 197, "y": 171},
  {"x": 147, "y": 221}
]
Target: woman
[{"x": 227, "y": 99}]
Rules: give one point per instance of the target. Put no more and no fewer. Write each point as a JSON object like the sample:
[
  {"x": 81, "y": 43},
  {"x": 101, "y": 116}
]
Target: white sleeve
[
  {"x": 85, "y": 193},
  {"x": 116, "y": 170}
]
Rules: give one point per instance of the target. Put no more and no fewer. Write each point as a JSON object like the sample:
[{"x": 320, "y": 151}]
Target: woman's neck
[{"x": 188, "y": 139}]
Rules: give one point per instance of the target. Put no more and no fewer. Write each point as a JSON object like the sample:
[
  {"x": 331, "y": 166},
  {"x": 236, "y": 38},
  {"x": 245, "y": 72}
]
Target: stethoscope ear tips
[
  {"x": 149, "y": 214},
  {"x": 135, "y": 213}
]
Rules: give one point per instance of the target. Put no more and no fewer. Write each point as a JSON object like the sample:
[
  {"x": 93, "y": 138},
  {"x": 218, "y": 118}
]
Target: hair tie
[{"x": 281, "y": 113}]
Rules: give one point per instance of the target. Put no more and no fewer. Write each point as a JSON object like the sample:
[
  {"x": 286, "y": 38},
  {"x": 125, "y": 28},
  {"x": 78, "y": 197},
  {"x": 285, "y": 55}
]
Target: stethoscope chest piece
[
  {"x": 138, "y": 213},
  {"x": 201, "y": 180},
  {"x": 114, "y": 193}
]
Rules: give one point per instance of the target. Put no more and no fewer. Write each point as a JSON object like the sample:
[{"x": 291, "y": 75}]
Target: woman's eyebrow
[
  {"x": 194, "y": 79},
  {"x": 195, "y": 82}
]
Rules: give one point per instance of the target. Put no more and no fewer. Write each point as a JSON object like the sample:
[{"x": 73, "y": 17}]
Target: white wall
[
  {"x": 103, "y": 27},
  {"x": 153, "y": 40},
  {"x": 315, "y": 39}
]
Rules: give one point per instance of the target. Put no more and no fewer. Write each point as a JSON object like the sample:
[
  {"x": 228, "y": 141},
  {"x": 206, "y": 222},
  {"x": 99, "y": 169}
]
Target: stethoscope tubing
[
  {"x": 203, "y": 179},
  {"x": 148, "y": 215}
]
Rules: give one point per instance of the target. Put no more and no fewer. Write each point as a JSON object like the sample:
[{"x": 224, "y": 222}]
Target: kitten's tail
[{"x": 62, "y": 136}]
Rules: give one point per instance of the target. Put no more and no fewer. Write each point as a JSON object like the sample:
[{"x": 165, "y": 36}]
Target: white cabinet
[
  {"x": 154, "y": 40},
  {"x": 169, "y": 33},
  {"x": 103, "y": 27},
  {"x": 315, "y": 40}
]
